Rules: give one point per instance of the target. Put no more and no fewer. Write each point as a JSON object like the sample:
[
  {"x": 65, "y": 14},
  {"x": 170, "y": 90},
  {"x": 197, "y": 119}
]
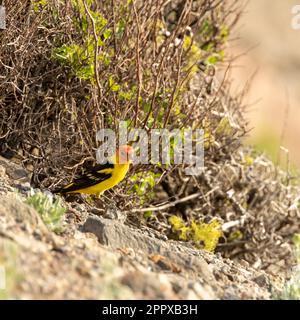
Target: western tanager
[{"x": 103, "y": 176}]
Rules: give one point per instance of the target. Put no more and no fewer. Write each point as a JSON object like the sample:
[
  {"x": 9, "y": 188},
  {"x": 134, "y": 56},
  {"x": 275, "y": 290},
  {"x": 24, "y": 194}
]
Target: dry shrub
[
  {"x": 257, "y": 203},
  {"x": 152, "y": 71}
]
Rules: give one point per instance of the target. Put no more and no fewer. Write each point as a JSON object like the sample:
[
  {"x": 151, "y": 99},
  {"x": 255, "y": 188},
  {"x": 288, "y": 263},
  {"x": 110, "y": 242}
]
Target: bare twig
[{"x": 174, "y": 203}]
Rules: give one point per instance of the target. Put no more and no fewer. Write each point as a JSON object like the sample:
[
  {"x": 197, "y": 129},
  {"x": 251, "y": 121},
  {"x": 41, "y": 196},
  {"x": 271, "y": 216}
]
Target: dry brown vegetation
[{"x": 69, "y": 68}]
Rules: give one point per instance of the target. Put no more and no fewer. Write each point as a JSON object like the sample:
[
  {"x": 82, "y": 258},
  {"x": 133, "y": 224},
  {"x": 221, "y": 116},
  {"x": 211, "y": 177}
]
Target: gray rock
[
  {"x": 115, "y": 235},
  {"x": 262, "y": 280},
  {"x": 14, "y": 171}
]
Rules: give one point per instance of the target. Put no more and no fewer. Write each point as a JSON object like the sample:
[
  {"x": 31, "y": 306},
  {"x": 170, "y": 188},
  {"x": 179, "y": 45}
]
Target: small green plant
[
  {"x": 291, "y": 290},
  {"x": 205, "y": 235},
  {"x": 193, "y": 55},
  {"x": 144, "y": 183},
  {"x": 213, "y": 37},
  {"x": 38, "y": 5},
  {"x": 80, "y": 58},
  {"x": 51, "y": 212},
  {"x": 214, "y": 58}
]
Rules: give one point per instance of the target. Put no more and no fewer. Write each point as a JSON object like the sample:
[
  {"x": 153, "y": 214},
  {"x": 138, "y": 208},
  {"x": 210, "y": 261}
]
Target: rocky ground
[{"x": 102, "y": 258}]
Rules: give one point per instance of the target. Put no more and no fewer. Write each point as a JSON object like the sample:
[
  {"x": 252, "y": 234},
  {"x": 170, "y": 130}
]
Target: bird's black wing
[{"x": 95, "y": 175}]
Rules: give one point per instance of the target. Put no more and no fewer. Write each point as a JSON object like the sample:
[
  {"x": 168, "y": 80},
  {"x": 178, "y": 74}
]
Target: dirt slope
[{"x": 98, "y": 258}]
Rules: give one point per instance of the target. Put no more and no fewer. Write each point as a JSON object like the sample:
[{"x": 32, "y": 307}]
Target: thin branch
[
  {"x": 174, "y": 203},
  {"x": 96, "y": 48},
  {"x": 138, "y": 65}
]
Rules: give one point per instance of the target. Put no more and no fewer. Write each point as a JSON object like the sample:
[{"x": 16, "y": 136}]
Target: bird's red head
[{"x": 124, "y": 154}]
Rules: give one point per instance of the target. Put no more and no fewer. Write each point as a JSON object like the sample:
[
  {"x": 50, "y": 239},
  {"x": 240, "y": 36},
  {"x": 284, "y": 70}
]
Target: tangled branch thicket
[{"x": 69, "y": 68}]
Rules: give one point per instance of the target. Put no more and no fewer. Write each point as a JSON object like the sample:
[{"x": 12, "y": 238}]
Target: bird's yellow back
[
  {"x": 118, "y": 174},
  {"x": 103, "y": 176}
]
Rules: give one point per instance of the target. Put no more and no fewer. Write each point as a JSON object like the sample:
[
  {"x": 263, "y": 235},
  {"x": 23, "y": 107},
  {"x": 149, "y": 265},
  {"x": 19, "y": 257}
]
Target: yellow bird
[{"x": 103, "y": 176}]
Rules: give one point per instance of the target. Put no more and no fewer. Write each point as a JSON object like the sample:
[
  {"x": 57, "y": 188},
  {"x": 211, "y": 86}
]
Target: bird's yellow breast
[{"x": 118, "y": 174}]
